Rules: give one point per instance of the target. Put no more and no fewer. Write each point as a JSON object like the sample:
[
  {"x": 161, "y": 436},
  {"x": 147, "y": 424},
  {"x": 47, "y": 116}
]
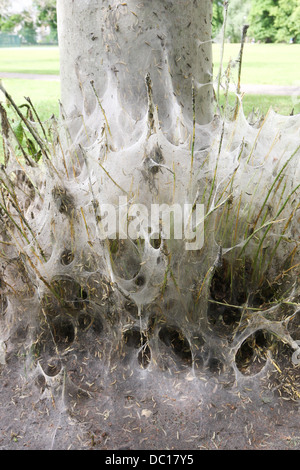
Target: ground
[{"x": 160, "y": 413}]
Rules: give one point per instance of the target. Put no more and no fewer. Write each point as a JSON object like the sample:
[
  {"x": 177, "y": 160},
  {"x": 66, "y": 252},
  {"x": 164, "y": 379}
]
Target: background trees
[
  {"x": 269, "y": 20},
  {"x": 287, "y": 20},
  {"x": 262, "y": 20},
  {"x": 275, "y": 20},
  {"x": 35, "y": 24},
  {"x": 23, "y": 24},
  {"x": 46, "y": 17},
  {"x": 238, "y": 15}
]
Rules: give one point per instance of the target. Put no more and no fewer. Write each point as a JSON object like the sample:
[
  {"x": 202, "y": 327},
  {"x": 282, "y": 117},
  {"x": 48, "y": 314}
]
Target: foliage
[
  {"x": 262, "y": 19},
  {"x": 47, "y": 16},
  {"x": 238, "y": 13},
  {"x": 275, "y": 20},
  {"x": 23, "y": 22},
  {"x": 9, "y": 23},
  {"x": 28, "y": 30},
  {"x": 269, "y": 20},
  {"x": 287, "y": 20},
  {"x": 4, "y": 6},
  {"x": 26, "y": 23},
  {"x": 217, "y": 19}
]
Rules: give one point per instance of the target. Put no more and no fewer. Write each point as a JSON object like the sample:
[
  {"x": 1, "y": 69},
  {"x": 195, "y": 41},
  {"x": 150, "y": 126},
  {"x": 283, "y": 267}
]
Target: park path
[
  {"x": 283, "y": 90},
  {"x": 251, "y": 89},
  {"x": 30, "y": 76}
]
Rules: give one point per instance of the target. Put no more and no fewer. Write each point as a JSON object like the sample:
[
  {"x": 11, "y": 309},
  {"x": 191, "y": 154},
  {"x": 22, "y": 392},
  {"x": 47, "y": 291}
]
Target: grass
[
  {"x": 262, "y": 64},
  {"x": 43, "y": 94},
  {"x": 271, "y": 64},
  {"x": 276, "y": 64},
  {"x": 36, "y": 60},
  {"x": 262, "y": 103}
]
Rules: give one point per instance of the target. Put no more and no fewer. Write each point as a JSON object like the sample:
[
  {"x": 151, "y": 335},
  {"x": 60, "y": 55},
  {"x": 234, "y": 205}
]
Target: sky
[{"x": 19, "y": 5}]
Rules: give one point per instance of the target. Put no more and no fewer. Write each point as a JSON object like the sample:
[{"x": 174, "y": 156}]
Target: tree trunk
[{"x": 116, "y": 44}]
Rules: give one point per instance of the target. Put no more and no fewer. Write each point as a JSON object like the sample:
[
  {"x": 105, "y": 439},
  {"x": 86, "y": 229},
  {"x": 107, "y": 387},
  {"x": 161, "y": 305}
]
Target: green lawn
[
  {"x": 45, "y": 97},
  {"x": 262, "y": 103},
  {"x": 43, "y": 94},
  {"x": 40, "y": 60},
  {"x": 276, "y": 64},
  {"x": 262, "y": 64},
  {"x": 271, "y": 64}
]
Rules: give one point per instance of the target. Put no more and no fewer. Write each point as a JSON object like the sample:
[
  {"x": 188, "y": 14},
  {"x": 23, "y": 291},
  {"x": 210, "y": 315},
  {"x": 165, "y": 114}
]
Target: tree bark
[{"x": 116, "y": 44}]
